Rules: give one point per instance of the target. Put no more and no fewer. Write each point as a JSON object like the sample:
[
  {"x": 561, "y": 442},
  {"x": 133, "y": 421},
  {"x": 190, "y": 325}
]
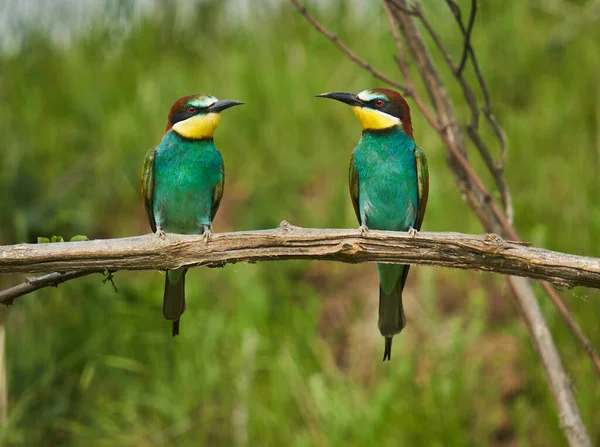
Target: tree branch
[
  {"x": 342, "y": 46},
  {"x": 32, "y": 284},
  {"x": 402, "y": 62},
  {"x": 466, "y": 32},
  {"x": 485, "y": 253},
  {"x": 560, "y": 384}
]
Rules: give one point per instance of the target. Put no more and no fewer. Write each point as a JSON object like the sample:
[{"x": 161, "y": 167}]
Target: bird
[
  {"x": 389, "y": 187},
  {"x": 182, "y": 183}
]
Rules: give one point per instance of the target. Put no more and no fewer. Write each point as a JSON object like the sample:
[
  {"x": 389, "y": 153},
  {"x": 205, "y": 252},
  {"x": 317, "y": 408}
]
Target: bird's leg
[
  {"x": 363, "y": 229},
  {"x": 413, "y": 232},
  {"x": 159, "y": 231},
  {"x": 206, "y": 232}
]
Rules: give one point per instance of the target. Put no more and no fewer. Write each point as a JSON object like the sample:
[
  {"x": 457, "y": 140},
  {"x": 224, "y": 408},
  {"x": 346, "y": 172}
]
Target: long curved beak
[
  {"x": 347, "y": 98},
  {"x": 222, "y": 105}
]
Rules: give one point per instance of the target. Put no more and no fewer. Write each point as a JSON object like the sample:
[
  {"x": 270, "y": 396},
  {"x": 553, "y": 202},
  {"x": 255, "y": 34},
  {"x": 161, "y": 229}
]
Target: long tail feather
[
  {"x": 392, "y": 320},
  {"x": 174, "y": 297}
]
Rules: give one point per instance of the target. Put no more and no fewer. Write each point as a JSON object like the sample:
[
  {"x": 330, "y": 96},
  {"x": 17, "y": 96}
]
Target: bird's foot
[
  {"x": 413, "y": 232},
  {"x": 159, "y": 231},
  {"x": 206, "y": 233},
  {"x": 363, "y": 229}
]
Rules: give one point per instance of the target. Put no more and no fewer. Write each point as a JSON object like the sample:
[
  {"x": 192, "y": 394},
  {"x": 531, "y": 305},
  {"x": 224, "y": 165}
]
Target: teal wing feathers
[
  {"x": 217, "y": 194},
  {"x": 148, "y": 186},
  {"x": 423, "y": 179},
  {"x": 353, "y": 182},
  {"x": 423, "y": 183}
]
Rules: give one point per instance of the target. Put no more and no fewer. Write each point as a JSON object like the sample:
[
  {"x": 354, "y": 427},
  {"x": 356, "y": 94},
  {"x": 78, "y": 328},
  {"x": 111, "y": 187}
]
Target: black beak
[
  {"x": 222, "y": 105},
  {"x": 346, "y": 98}
]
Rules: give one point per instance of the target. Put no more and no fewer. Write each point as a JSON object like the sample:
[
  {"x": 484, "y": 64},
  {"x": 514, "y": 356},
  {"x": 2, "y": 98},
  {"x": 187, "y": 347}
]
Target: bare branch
[
  {"x": 495, "y": 168},
  {"x": 560, "y": 384},
  {"x": 487, "y": 109},
  {"x": 353, "y": 56},
  {"x": 32, "y": 284},
  {"x": 473, "y": 126},
  {"x": 454, "y": 250},
  {"x": 402, "y": 8},
  {"x": 494, "y": 220},
  {"x": 466, "y": 32},
  {"x": 403, "y": 65},
  {"x": 562, "y": 309}
]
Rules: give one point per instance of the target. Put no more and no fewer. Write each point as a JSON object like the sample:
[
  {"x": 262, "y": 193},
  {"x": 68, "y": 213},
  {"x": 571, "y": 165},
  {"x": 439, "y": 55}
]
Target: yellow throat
[
  {"x": 373, "y": 119},
  {"x": 198, "y": 127}
]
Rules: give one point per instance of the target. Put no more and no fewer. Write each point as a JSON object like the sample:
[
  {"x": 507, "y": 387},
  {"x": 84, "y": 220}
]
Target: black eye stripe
[
  {"x": 184, "y": 114},
  {"x": 389, "y": 107}
]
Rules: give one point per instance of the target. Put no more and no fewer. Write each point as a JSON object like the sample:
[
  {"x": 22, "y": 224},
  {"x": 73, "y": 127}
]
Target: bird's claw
[
  {"x": 413, "y": 232},
  {"x": 363, "y": 229},
  {"x": 159, "y": 232},
  {"x": 206, "y": 234}
]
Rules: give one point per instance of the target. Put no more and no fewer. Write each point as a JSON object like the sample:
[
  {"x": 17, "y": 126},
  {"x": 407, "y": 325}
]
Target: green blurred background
[{"x": 283, "y": 352}]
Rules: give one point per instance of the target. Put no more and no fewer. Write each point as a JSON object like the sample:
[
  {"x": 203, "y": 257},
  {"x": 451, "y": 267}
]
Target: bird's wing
[
  {"x": 423, "y": 181},
  {"x": 353, "y": 182},
  {"x": 148, "y": 186},
  {"x": 217, "y": 194},
  {"x": 423, "y": 185}
]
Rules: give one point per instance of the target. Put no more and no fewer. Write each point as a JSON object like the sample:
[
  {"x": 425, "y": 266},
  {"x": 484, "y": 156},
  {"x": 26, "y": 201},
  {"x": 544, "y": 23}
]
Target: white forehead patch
[
  {"x": 203, "y": 101},
  {"x": 367, "y": 95}
]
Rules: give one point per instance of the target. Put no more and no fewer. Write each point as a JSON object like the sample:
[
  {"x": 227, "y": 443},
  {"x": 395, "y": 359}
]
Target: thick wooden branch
[{"x": 454, "y": 250}]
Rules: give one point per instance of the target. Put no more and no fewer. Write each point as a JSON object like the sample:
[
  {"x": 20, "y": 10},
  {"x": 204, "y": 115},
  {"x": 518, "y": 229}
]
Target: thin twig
[
  {"x": 34, "y": 283},
  {"x": 403, "y": 65},
  {"x": 353, "y": 56},
  {"x": 495, "y": 168},
  {"x": 467, "y": 34},
  {"x": 575, "y": 328},
  {"x": 473, "y": 126}
]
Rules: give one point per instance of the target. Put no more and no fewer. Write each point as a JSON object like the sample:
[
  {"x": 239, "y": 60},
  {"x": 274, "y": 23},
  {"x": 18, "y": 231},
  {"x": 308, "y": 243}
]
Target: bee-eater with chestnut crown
[
  {"x": 182, "y": 183},
  {"x": 389, "y": 184}
]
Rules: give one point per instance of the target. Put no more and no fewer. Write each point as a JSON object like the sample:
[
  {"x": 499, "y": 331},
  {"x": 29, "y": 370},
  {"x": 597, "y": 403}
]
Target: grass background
[{"x": 288, "y": 352}]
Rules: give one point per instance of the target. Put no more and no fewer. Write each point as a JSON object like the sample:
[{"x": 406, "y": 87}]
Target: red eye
[
  {"x": 379, "y": 102},
  {"x": 192, "y": 109}
]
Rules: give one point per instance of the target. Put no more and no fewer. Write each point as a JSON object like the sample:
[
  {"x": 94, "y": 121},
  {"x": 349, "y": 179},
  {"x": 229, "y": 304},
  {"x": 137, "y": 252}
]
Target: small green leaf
[
  {"x": 43, "y": 240},
  {"x": 79, "y": 238},
  {"x": 57, "y": 239}
]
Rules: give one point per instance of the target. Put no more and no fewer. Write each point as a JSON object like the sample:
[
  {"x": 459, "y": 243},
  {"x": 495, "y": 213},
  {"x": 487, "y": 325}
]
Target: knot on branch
[
  {"x": 493, "y": 239},
  {"x": 286, "y": 226},
  {"x": 350, "y": 249}
]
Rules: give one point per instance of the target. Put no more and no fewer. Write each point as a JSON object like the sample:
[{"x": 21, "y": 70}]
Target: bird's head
[
  {"x": 197, "y": 116},
  {"x": 377, "y": 109}
]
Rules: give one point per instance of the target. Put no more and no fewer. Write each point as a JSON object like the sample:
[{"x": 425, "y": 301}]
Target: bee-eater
[
  {"x": 182, "y": 183},
  {"x": 389, "y": 184}
]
